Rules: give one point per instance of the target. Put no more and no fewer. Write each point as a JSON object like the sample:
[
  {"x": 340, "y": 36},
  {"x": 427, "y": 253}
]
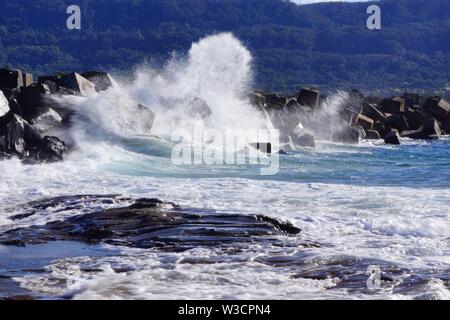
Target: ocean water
[{"x": 358, "y": 206}]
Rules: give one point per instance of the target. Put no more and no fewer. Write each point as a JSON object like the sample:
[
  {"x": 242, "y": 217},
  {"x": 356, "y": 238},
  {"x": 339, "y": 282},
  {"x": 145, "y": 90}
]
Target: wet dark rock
[
  {"x": 11, "y": 290},
  {"x": 13, "y": 135},
  {"x": 68, "y": 203},
  {"x": 18, "y": 138},
  {"x": 372, "y": 135},
  {"x": 15, "y": 107},
  {"x": 349, "y": 272},
  {"x": 392, "y": 137},
  {"x": 49, "y": 149},
  {"x": 47, "y": 120},
  {"x": 53, "y": 87},
  {"x": 149, "y": 223},
  {"x": 102, "y": 80},
  {"x": 32, "y": 101}
]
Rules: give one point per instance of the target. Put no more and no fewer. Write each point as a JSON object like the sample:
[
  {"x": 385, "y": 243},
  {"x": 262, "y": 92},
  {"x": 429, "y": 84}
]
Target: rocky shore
[
  {"x": 28, "y": 114},
  {"x": 304, "y": 116},
  {"x": 143, "y": 223}
]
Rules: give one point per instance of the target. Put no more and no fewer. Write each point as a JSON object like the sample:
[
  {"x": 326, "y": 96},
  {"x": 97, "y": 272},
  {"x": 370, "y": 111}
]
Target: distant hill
[{"x": 323, "y": 44}]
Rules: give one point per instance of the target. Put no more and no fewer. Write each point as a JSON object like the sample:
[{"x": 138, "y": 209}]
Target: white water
[{"x": 355, "y": 201}]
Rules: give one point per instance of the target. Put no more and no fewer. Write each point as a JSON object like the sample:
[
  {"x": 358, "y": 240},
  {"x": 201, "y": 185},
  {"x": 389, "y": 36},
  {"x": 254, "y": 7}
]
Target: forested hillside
[{"x": 323, "y": 44}]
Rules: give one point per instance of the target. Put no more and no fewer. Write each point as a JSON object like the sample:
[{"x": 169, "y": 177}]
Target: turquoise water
[{"x": 418, "y": 164}]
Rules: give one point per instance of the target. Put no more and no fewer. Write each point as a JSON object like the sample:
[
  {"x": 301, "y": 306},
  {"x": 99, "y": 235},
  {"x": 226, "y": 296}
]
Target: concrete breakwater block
[
  {"x": 392, "y": 137},
  {"x": 309, "y": 97},
  {"x": 438, "y": 107},
  {"x": 346, "y": 135},
  {"x": 395, "y": 105},
  {"x": 365, "y": 122},
  {"x": 10, "y": 79},
  {"x": 78, "y": 83},
  {"x": 69, "y": 84}
]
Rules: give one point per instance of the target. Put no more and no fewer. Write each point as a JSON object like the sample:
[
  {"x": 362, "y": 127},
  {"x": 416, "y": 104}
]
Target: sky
[{"x": 315, "y": 1}]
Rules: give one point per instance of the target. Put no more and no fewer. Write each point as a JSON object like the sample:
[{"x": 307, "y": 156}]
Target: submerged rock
[
  {"x": 49, "y": 149},
  {"x": 148, "y": 223},
  {"x": 47, "y": 120}
]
